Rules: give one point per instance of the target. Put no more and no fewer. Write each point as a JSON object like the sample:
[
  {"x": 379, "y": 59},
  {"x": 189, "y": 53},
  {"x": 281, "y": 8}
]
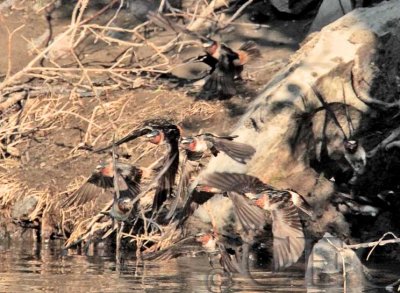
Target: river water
[{"x": 29, "y": 267}]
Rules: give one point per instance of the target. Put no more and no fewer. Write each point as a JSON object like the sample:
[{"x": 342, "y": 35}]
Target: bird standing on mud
[{"x": 226, "y": 64}]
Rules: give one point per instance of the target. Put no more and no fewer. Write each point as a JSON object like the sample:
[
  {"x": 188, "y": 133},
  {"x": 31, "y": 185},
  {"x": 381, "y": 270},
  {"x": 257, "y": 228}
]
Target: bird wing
[
  {"x": 247, "y": 52},
  {"x": 240, "y": 152},
  {"x": 228, "y": 137},
  {"x": 95, "y": 185},
  {"x": 186, "y": 171},
  {"x": 229, "y": 261},
  {"x": 241, "y": 183},
  {"x": 222, "y": 79},
  {"x": 132, "y": 176},
  {"x": 133, "y": 135},
  {"x": 288, "y": 242},
  {"x": 166, "y": 181},
  {"x": 250, "y": 216},
  {"x": 300, "y": 202}
]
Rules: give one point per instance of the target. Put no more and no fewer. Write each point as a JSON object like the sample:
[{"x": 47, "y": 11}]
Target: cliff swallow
[
  {"x": 283, "y": 205},
  {"x": 197, "y": 149},
  {"x": 169, "y": 134},
  {"x": 228, "y": 251},
  {"x": 240, "y": 152},
  {"x": 102, "y": 179},
  {"x": 159, "y": 131},
  {"x": 226, "y": 64},
  {"x": 356, "y": 156}
]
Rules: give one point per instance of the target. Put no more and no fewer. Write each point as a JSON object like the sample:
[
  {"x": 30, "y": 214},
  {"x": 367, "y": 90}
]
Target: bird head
[
  {"x": 161, "y": 130},
  {"x": 105, "y": 167},
  {"x": 350, "y": 146},
  {"x": 260, "y": 200},
  {"x": 204, "y": 238},
  {"x": 188, "y": 143},
  {"x": 156, "y": 136},
  {"x": 210, "y": 46}
]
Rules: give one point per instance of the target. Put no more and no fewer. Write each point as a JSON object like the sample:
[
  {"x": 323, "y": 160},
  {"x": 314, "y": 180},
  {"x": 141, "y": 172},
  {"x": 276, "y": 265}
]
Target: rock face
[
  {"x": 325, "y": 268},
  {"x": 353, "y": 64},
  {"x": 24, "y": 207},
  {"x": 330, "y": 11},
  {"x": 291, "y": 6}
]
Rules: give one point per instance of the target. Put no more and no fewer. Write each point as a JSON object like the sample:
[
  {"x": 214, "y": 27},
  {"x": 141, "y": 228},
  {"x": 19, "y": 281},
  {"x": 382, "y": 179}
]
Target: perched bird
[
  {"x": 102, "y": 179},
  {"x": 226, "y": 64},
  {"x": 240, "y": 152},
  {"x": 283, "y": 205},
  {"x": 356, "y": 156}
]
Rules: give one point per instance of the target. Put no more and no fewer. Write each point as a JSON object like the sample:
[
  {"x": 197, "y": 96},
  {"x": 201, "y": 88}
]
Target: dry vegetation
[{"x": 80, "y": 87}]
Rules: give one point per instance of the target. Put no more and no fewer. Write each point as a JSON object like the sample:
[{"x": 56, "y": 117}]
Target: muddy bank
[{"x": 299, "y": 141}]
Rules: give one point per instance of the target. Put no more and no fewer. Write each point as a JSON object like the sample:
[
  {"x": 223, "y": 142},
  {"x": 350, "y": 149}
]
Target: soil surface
[{"x": 46, "y": 158}]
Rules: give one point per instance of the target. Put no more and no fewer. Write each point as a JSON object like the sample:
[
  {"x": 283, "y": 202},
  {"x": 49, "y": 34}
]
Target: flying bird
[
  {"x": 226, "y": 64},
  {"x": 283, "y": 206},
  {"x": 102, "y": 179}
]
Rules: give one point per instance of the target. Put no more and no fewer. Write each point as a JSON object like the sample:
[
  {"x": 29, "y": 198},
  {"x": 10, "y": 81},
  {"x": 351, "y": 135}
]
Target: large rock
[
  {"x": 327, "y": 265},
  {"x": 329, "y": 11},
  {"x": 352, "y": 63},
  {"x": 291, "y": 6},
  {"x": 22, "y": 208}
]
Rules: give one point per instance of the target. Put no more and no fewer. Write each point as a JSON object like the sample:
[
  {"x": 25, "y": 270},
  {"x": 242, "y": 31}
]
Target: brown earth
[{"x": 45, "y": 160}]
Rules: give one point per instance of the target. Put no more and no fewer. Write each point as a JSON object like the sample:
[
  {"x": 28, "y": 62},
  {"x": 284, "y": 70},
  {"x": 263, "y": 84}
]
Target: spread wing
[
  {"x": 135, "y": 134},
  {"x": 241, "y": 183},
  {"x": 94, "y": 186},
  {"x": 250, "y": 216},
  {"x": 288, "y": 243},
  {"x": 300, "y": 202},
  {"x": 166, "y": 182},
  {"x": 230, "y": 259},
  {"x": 132, "y": 175},
  {"x": 240, "y": 152},
  {"x": 222, "y": 79},
  {"x": 188, "y": 169}
]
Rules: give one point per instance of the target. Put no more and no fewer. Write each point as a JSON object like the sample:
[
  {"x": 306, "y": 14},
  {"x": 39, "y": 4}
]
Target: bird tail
[
  {"x": 218, "y": 82},
  {"x": 247, "y": 52}
]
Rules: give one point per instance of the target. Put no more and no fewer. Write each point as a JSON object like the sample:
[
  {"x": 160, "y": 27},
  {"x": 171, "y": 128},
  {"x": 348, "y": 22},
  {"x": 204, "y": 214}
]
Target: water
[
  {"x": 34, "y": 268},
  {"x": 28, "y": 267}
]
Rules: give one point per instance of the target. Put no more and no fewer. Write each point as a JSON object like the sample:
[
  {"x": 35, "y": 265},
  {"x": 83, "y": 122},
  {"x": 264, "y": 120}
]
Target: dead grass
[{"x": 70, "y": 102}]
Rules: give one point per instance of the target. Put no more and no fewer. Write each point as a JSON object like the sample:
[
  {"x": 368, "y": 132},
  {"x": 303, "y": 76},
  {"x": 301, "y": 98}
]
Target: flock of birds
[
  {"x": 179, "y": 187},
  {"x": 179, "y": 190},
  {"x": 225, "y": 63}
]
